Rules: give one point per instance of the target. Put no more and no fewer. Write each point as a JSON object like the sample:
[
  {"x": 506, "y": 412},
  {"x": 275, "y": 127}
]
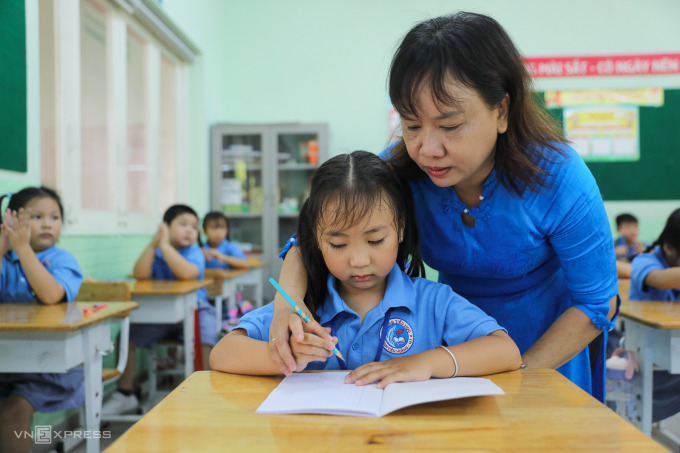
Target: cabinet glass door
[{"x": 241, "y": 194}]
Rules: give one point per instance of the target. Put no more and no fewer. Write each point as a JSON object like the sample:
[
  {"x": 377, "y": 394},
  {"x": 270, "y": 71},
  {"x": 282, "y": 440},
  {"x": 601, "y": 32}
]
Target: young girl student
[
  {"x": 219, "y": 252},
  {"x": 656, "y": 275},
  {"x": 34, "y": 270},
  {"x": 359, "y": 243},
  {"x": 172, "y": 254}
]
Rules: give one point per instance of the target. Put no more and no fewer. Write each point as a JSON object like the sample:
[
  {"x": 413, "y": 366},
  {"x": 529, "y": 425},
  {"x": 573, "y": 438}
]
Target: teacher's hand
[{"x": 287, "y": 323}]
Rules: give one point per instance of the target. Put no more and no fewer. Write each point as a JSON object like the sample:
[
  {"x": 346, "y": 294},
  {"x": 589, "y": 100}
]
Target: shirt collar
[
  {"x": 399, "y": 293},
  {"x": 15, "y": 258}
]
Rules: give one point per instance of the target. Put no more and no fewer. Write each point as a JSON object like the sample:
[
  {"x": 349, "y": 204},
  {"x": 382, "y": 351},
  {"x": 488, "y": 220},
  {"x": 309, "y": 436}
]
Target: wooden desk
[
  {"x": 226, "y": 283},
  {"x": 55, "y": 338},
  {"x": 169, "y": 302},
  {"x": 652, "y": 330},
  {"x": 541, "y": 411}
]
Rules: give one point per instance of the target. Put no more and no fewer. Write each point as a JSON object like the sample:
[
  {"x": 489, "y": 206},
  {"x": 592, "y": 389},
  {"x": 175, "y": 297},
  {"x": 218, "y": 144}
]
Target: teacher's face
[{"x": 455, "y": 145}]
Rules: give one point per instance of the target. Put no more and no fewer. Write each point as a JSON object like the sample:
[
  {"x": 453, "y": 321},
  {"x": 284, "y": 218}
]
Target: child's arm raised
[
  {"x": 238, "y": 353},
  {"x": 142, "y": 269},
  {"x": 46, "y": 288},
  {"x": 664, "y": 278},
  {"x": 494, "y": 353}
]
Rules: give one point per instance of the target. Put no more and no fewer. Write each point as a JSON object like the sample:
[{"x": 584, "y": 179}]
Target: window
[{"x": 111, "y": 138}]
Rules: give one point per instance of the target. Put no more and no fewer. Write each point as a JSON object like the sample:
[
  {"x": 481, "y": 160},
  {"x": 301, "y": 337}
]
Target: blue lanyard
[{"x": 381, "y": 345}]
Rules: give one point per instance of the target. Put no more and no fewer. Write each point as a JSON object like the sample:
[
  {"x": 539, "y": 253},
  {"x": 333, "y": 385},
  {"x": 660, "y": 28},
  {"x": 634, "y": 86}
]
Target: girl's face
[
  {"x": 216, "y": 231},
  {"x": 183, "y": 230},
  {"x": 44, "y": 220},
  {"x": 456, "y": 145},
  {"x": 360, "y": 256}
]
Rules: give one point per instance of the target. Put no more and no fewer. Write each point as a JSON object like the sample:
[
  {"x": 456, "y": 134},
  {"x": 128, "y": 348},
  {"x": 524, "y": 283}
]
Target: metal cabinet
[{"x": 260, "y": 177}]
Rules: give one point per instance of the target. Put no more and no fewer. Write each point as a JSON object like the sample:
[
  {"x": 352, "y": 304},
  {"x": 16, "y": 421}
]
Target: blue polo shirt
[
  {"x": 225, "y": 248},
  {"x": 161, "y": 271},
  {"x": 642, "y": 265},
  {"x": 60, "y": 264},
  {"x": 422, "y": 315}
]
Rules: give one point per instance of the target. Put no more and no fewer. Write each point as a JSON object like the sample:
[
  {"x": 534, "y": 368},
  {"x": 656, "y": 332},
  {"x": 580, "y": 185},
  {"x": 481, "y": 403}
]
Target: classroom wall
[{"x": 310, "y": 61}]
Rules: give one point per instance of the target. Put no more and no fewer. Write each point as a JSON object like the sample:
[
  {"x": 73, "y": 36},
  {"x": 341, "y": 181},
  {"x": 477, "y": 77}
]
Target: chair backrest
[{"x": 104, "y": 292}]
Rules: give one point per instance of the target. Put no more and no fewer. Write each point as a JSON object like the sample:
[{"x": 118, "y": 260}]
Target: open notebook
[{"x": 327, "y": 393}]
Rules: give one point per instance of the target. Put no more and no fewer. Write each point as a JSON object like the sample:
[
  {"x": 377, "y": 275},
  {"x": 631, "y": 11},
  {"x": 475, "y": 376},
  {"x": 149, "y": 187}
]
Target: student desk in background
[
  {"x": 169, "y": 302},
  {"x": 55, "y": 338},
  {"x": 541, "y": 411},
  {"x": 226, "y": 283},
  {"x": 652, "y": 331}
]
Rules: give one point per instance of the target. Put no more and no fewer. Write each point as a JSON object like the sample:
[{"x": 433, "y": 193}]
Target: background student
[
  {"x": 359, "y": 246},
  {"x": 172, "y": 254},
  {"x": 626, "y": 246},
  {"x": 656, "y": 276},
  {"x": 34, "y": 269},
  {"x": 509, "y": 214},
  {"x": 219, "y": 252}
]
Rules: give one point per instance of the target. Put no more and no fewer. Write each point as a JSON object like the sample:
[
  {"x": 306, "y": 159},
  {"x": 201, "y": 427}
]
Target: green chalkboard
[
  {"x": 13, "y": 150},
  {"x": 656, "y": 176}
]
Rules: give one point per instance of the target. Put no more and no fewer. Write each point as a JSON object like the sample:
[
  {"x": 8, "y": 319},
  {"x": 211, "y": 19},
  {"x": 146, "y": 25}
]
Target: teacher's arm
[
  {"x": 575, "y": 222},
  {"x": 293, "y": 280}
]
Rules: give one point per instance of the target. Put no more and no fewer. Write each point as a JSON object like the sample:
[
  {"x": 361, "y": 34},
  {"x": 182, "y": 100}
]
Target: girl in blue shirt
[
  {"x": 509, "y": 214},
  {"x": 219, "y": 252},
  {"x": 655, "y": 275},
  {"x": 358, "y": 240},
  {"x": 34, "y": 270},
  {"x": 172, "y": 254}
]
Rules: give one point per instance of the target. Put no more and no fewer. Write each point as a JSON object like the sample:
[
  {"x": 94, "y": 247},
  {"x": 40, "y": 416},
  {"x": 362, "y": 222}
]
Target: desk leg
[
  {"x": 258, "y": 288},
  {"x": 94, "y": 346},
  {"x": 218, "y": 312},
  {"x": 189, "y": 306},
  {"x": 639, "y": 339}
]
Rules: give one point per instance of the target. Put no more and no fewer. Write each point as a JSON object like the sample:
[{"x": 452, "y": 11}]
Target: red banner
[{"x": 604, "y": 65}]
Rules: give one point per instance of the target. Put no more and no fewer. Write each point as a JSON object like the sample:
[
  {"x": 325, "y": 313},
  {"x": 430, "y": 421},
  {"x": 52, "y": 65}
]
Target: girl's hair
[
  {"x": 344, "y": 191},
  {"x": 24, "y": 196},
  {"x": 670, "y": 234},
  {"x": 215, "y": 216},
  {"x": 475, "y": 51},
  {"x": 177, "y": 210}
]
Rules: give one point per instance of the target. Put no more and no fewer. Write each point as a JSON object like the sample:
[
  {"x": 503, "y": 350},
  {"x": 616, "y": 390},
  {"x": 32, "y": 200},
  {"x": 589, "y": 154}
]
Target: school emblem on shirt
[{"x": 399, "y": 338}]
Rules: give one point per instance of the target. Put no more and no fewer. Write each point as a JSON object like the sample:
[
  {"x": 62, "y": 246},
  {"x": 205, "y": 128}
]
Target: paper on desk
[{"x": 327, "y": 393}]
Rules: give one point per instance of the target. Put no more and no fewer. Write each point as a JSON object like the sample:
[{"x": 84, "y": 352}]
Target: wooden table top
[
  {"x": 654, "y": 313},
  {"x": 541, "y": 411},
  {"x": 59, "y": 317},
  {"x": 161, "y": 287}
]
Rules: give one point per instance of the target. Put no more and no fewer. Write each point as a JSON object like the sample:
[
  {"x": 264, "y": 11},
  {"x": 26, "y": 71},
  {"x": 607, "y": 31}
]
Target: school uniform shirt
[
  {"x": 418, "y": 314},
  {"x": 14, "y": 287},
  {"x": 47, "y": 392},
  {"x": 225, "y": 248},
  {"x": 631, "y": 249},
  {"x": 642, "y": 265},
  {"x": 161, "y": 271},
  {"x": 528, "y": 258}
]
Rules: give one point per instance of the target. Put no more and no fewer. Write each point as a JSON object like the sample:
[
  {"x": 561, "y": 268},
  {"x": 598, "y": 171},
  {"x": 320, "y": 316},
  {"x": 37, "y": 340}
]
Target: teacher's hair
[
  {"x": 344, "y": 191},
  {"x": 474, "y": 50}
]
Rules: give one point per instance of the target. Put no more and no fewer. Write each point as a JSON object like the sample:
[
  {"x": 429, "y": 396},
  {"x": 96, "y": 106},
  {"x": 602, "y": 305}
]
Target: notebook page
[
  {"x": 321, "y": 393},
  {"x": 403, "y": 394}
]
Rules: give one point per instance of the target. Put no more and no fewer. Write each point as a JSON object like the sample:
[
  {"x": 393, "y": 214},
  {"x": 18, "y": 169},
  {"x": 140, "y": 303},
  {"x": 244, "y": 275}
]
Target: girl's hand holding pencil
[{"x": 304, "y": 332}]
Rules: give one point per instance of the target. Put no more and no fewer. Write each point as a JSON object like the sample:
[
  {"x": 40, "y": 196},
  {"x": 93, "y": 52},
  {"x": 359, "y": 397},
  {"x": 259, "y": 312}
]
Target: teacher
[{"x": 508, "y": 213}]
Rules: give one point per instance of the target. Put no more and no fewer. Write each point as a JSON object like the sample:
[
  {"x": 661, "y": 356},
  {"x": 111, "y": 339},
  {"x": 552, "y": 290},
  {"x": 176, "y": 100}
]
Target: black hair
[
  {"x": 177, "y": 210},
  {"x": 475, "y": 51},
  {"x": 353, "y": 185},
  {"x": 670, "y": 234},
  {"x": 215, "y": 216},
  {"x": 625, "y": 218},
  {"x": 24, "y": 196}
]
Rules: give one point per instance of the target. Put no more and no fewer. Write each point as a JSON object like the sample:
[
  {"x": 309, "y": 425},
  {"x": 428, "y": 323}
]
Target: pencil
[{"x": 299, "y": 311}]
